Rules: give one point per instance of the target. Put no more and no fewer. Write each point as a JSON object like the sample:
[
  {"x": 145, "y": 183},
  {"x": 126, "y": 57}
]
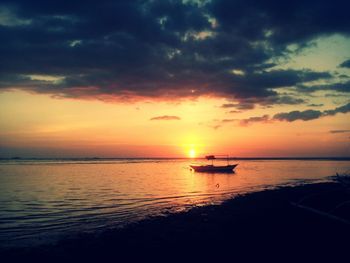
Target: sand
[{"x": 301, "y": 223}]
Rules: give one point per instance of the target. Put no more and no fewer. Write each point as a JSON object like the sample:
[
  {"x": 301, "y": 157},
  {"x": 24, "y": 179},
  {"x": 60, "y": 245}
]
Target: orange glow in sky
[{"x": 38, "y": 125}]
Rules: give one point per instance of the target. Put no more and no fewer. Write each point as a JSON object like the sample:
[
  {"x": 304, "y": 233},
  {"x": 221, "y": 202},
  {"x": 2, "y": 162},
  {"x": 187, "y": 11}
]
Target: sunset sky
[{"x": 169, "y": 78}]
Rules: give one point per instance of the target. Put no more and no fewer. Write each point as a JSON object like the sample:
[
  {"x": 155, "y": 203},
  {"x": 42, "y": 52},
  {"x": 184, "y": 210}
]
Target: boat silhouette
[{"x": 211, "y": 168}]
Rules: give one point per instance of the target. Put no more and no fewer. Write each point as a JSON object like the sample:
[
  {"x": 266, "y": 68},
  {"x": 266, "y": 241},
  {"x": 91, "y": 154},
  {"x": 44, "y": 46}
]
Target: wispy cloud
[
  {"x": 165, "y": 118},
  {"x": 306, "y": 115},
  {"x": 228, "y": 120},
  {"x": 245, "y": 122},
  {"x": 339, "y": 131},
  {"x": 315, "y": 105},
  {"x": 239, "y": 106},
  {"x": 339, "y": 87}
]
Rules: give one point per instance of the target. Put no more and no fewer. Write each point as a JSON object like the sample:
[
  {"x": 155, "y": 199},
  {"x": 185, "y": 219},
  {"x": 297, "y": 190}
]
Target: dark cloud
[
  {"x": 339, "y": 131},
  {"x": 315, "y": 105},
  {"x": 143, "y": 49},
  {"x": 291, "y": 22},
  {"x": 292, "y": 116},
  {"x": 298, "y": 115},
  {"x": 165, "y": 118},
  {"x": 342, "y": 109},
  {"x": 249, "y": 103},
  {"x": 345, "y": 64},
  {"x": 245, "y": 122},
  {"x": 289, "y": 100},
  {"x": 239, "y": 106},
  {"x": 339, "y": 87},
  {"x": 334, "y": 95},
  {"x": 310, "y": 114}
]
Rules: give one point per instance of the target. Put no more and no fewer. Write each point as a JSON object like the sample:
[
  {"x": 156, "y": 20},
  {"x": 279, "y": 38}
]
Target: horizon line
[{"x": 189, "y": 158}]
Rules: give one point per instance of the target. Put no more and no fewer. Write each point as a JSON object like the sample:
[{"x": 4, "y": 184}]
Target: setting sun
[{"x": 192, "y": 153}]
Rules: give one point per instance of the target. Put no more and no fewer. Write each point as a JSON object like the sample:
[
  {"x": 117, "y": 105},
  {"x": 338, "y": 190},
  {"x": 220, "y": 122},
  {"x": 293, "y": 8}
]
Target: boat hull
[{"x": 213, "y": 169}]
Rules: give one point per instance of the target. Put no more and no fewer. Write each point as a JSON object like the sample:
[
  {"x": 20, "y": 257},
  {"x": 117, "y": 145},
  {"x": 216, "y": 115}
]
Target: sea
[{"x": 44, "y": 201}]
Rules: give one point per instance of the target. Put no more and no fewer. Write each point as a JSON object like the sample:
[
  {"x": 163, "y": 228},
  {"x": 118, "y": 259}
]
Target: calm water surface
[{"x": 45, "y": 201}]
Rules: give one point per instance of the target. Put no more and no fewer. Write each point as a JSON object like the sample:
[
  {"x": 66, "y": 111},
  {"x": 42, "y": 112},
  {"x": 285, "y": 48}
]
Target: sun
[{"x": 192, "y": 153}]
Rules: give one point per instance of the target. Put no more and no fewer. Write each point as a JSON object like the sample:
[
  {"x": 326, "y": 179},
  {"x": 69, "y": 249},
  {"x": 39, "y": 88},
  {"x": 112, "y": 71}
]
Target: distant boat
[
  {"x": 211, "y": 168},
  {"x": 214, "y": 169}
]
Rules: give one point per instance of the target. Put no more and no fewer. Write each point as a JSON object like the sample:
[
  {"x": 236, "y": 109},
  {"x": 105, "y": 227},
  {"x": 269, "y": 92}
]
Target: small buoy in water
[{"x": 217, "y": 185}]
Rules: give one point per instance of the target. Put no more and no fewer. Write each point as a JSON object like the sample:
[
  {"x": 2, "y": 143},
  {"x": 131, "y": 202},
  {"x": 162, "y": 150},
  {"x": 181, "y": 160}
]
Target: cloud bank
[{"x": 133, "y": 50}]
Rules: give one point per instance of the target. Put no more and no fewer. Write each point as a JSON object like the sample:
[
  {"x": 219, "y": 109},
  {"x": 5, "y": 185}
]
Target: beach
[{"x": 297, "y": 222}]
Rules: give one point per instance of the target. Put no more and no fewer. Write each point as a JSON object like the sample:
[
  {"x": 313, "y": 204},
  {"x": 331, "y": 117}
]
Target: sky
[{"x": 173, "y": 78}]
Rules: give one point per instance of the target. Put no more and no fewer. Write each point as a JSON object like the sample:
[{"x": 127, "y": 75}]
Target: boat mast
[{"x": 212, "y": 157}]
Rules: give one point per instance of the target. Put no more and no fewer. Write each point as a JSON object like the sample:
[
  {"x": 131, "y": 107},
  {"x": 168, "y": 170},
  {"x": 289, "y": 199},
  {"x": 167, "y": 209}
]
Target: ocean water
[{"x": 44, "y": 201}]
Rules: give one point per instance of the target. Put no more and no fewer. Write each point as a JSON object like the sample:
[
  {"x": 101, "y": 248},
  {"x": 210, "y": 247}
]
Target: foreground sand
[{"x": 260, "y": 225}]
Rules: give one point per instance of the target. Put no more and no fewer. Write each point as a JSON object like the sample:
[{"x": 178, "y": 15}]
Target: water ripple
[{"x": 44, "y": 201}]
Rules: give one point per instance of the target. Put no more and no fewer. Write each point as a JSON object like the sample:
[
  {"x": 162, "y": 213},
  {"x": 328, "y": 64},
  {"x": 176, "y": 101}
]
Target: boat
[{"x": 211, "y": 168}]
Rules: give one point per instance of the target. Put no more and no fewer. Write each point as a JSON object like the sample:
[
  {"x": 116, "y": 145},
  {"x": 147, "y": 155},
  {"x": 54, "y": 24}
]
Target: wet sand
[{"x": 301, "y": 223}]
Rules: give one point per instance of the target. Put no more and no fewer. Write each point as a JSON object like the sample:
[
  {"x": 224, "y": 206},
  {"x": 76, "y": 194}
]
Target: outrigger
[{"x": 211, "y": 168}]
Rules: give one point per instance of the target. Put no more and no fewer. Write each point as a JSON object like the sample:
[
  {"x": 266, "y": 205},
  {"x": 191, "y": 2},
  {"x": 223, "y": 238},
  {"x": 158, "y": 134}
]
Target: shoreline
[{"x": 271, "y": 222}]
